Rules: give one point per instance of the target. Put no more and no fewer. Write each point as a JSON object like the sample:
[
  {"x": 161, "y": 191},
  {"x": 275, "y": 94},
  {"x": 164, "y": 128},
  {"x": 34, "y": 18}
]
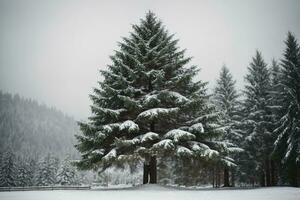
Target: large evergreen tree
[
  {"x": 275, "y": 106},
  {"x": 226, "y": 100},
  {"x": 148, "y": 105},
  {"x": 257, "y": 121},
  {"x": 287, "y": 145}
]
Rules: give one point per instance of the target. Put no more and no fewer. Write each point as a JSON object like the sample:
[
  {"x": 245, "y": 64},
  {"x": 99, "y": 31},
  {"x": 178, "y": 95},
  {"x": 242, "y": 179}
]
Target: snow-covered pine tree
[
  {"x": 148, "y": 105},
  {"x": 8, "y": 169},
  {"x": 287, "y": 145},
  {"x": 275, "y": 106},
  {"x": 46, "y": 172},
  {"x": 257, "y": 122},
  {"x": 22, "y": 174},
  {"x": 225, "y": 98},
  {"x": 66, "y": 174},
  {"x": 32, "y": 170}
]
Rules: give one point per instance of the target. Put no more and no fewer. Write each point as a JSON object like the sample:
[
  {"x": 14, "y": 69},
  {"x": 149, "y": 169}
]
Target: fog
[{"x": 52, "y": 50}]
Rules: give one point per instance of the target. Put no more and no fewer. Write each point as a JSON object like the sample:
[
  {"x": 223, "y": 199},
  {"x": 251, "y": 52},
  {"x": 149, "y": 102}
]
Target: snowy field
[{"x": 157, "y": 193}]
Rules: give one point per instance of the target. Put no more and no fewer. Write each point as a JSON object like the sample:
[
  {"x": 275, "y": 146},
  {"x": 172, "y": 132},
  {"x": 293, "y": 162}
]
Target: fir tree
[
  {"x": 226, "y": 100},
  {"x": 148, "y": 105},
  {"x": 287, "y": 145},
  {"x": 22, "y": 172},
  {"x": 46, "y": 173},
  {"x": 276, "y": 109},
  {"x": 66, "y": 174},
  {"x": 8, "y": 170},
  {"x": 32, "y": 168},
  {"x": 257, "y": 122}
]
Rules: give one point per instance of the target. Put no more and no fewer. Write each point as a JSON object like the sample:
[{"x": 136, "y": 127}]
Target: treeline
[
  {"x": 35, "y": 140},
  {"x": 17, "y": 171},
  {"x": 263, "y": 119}
]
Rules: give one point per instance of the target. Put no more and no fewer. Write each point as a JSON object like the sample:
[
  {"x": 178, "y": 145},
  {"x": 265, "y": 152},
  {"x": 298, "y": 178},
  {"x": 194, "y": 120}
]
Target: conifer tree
[
  {"x": 8, "y": 170},
  {"x": 22, "y": 175},
  {"x": 66, "y": 174},
  {"x": 32, "y": 170},
  {"x": 275, "y": 106},
  {"x": 257, "y": 121},
  {"x": 147, "y": 105},
  {"x": 46, "y": 173},
  {"x": 287, "y": 145},
  {"x": 225, "y": 98}
]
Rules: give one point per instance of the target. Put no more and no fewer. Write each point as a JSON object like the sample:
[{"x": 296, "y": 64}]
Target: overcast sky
[{"x": 51, "y": 51}]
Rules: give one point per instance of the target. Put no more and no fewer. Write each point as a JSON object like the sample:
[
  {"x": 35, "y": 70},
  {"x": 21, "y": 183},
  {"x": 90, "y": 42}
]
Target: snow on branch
[
  {"x": 110, "y": 127},
  {"x": 179, "y": 135},
  {"x": 165, "y": 144},
  {"x": 98, "y": 152},
  {"x": 171, "y": 94},
  {"x": 229, "y": 162},
  {"x": 108, "y": 111},
  {"x": 149, "y": 136},
  {"x": 129, "y": 125},
  {"x": 154, "y": 113},
  {"x": 110, "y": 155},
  {"x": 203, "y": 150},
  {"x": 198, "y": 127},
  {"x": 183, "y": 151},
  {"x": 121, "y": 143}
]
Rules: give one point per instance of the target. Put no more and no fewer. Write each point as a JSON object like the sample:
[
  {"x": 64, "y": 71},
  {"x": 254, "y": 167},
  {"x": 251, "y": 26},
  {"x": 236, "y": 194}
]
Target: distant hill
[{"x": 31, "y": 129}]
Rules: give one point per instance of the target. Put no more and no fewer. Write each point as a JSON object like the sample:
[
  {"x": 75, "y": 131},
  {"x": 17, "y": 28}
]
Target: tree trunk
[
  {"x": 268, "y": 176},
  {"x": 226, "y": 177},
  {"x": 153, "y": 170},
  {"x": 262, "y": 179},
  {"x": 146, "y": 174},
  {"x": 252, "y": 181},
  {"x": 273, "y": 173},
  {"x": 293, "y": 174},
  {"x": 213, "y": 177},
  {"x": 218, "y": 177},
  {"x": 232, "y": 178}
]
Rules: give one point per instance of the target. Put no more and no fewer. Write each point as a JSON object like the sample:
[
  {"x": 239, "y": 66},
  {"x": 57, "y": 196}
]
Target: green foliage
[
  {"x": 257, "y": 118},
  {"x": 148, "y": 104},
  {"x": 287, "y": 145}
]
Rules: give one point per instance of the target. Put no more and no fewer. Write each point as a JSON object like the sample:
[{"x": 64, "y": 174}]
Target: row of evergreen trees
[
  {"x": 266, "y": 121},
  {"x": 45, "y": 171},
  {"x": 148, "y": 109}
]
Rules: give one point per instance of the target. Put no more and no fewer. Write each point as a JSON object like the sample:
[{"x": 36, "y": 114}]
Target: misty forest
[{"x": 154, "y": 122}]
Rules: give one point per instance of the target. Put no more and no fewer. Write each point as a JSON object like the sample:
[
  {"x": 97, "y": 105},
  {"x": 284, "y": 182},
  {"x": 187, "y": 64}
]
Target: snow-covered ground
[{"x": 157, "y": 193}]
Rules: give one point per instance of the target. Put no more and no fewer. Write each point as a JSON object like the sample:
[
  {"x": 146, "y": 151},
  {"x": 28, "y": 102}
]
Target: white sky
[{"x": 52, "y": 50}]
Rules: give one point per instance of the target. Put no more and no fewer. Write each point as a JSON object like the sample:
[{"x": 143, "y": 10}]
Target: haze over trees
[
  {"x": 34, "y": 140},
  {"x": 152, "y": 122}
]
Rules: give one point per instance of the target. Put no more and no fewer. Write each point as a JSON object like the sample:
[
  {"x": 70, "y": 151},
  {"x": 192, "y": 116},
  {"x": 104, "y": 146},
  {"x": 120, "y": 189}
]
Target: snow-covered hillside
[{"x": 158, "y": 192}]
